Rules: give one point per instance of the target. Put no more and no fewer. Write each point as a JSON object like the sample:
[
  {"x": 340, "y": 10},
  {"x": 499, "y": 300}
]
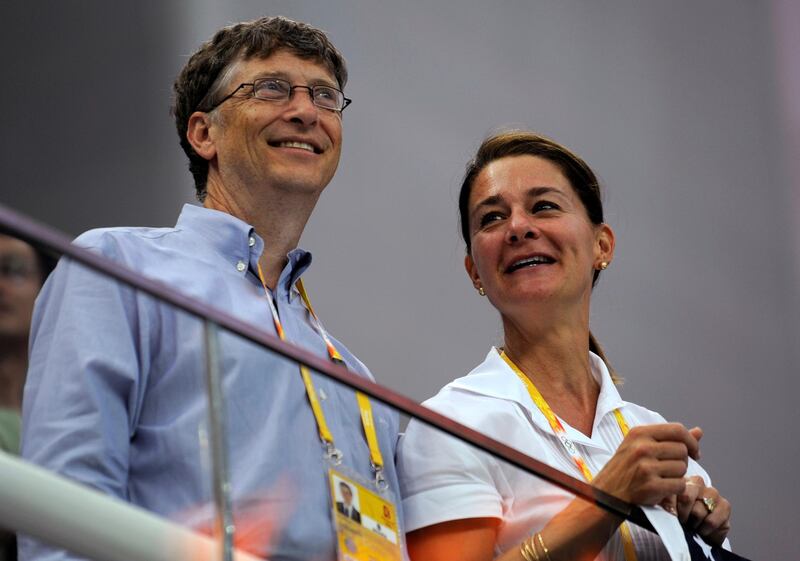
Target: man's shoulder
[
  {"x": 108, "y": 239},
  {"x": 351, "y": 360},
  {"x": 142, "y": 247}
]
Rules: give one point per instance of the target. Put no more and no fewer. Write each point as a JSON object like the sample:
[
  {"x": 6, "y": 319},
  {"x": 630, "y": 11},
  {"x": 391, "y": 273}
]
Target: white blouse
[{"x": 443, "y": 479}]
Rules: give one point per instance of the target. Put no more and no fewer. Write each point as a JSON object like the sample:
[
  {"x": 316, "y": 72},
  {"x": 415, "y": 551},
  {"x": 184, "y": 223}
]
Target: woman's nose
[{"x": 521, "y": 226}]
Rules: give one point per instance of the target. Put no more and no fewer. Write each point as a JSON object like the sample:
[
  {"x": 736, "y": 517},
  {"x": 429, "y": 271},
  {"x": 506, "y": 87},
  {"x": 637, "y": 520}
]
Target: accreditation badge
[{"x": 365, "y": 520}]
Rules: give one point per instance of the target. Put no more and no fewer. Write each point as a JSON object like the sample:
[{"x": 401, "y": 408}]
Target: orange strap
[
  {"x": 364, "y": 405},
  {"x": 569, "y": 446}
]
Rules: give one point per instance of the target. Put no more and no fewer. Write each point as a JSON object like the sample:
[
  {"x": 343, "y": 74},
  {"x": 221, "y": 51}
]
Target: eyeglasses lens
[{"x": 275, "y": 89}]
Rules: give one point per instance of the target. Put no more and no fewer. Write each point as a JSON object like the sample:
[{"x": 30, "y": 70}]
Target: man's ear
[
  {"x": 472, "y": 271},
  {"x": 198, "y": 133}
]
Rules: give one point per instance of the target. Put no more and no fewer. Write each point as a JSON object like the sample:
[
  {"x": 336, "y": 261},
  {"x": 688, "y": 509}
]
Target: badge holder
[
  {"x": 365, "y": 517},
  {"x": 364, "y": 513}
]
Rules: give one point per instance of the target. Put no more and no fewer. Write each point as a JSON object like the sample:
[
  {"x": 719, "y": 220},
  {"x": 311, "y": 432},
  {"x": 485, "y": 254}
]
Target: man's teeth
[{"x": 301, "y": 145}]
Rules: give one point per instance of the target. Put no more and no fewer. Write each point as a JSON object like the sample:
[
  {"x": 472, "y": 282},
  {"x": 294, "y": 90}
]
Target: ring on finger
[{"x": 709, "y": 503}]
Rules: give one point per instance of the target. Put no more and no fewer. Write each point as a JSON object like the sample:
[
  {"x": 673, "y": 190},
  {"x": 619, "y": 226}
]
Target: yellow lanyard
[
  {"x": 364, "y": 405},
  {"x": 569, "y": 446}
]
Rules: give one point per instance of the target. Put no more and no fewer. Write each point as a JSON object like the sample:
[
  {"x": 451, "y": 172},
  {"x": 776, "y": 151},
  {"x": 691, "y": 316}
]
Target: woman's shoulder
[
  {"x": 485, "y": 393},
  {"x": 639, "y": 415}
]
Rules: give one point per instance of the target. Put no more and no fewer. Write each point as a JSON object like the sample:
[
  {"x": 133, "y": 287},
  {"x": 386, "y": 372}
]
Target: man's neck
[{"x": 279, "y": 220}]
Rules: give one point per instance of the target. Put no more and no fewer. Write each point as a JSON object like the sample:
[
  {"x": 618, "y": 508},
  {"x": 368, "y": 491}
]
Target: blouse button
[
  {"x": 241, "y": 266},
  {"x": 252, "y": 241}
]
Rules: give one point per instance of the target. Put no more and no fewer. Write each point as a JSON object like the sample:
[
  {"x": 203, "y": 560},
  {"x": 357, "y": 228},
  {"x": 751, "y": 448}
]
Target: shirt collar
[
  {"x": 237, "y": 242},
  {"x": 299, "y": 261},
  {"x": 494, "y": 378}
]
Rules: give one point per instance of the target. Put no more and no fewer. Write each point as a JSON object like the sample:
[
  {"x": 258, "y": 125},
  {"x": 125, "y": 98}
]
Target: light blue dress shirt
[{"x": 115, "y": 396}]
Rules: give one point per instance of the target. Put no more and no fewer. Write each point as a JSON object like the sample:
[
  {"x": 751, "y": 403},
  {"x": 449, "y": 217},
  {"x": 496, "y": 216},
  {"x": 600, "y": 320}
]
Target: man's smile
[{"x": 301, "y": 144}]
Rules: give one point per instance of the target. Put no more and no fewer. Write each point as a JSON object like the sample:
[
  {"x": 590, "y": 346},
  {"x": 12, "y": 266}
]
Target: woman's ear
[
  {"x": 472, "y": 271},
  {"x": 198, "y": 133},
  {"x": 605, "y": 243}
]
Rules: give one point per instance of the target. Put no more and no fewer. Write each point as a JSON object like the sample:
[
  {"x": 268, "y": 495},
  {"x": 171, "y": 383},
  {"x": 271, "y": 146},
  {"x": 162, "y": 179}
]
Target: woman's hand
[
  {"x": 650, "y": 464},
  {"x": 710, "y": 519}
]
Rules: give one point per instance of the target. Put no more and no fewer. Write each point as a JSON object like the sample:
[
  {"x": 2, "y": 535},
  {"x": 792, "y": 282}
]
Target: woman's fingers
[
  {"x": 686, "y": 500},
  {"x": 717, "y": 537},
  {"x": 710, "y": 527},
  {"x": 697, "y": 514},
  {"x": 673, "y": 469},
  {"x": 677, "y": 433},
  {"x": 705, "y": 505},
  {"x": 670, "y": 450},
  {"x": 710, "y": 516},
  {"x": 650, "y": 464},
  {"x": 670, "y": 504}
]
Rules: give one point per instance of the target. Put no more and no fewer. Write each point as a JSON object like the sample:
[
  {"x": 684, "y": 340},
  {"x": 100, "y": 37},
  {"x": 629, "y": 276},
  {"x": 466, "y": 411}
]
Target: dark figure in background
[{"x": 22, "y": 273}]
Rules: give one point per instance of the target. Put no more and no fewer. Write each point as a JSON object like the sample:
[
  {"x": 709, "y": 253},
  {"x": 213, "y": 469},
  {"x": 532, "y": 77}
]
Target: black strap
[{"x": 718, "y": 553}]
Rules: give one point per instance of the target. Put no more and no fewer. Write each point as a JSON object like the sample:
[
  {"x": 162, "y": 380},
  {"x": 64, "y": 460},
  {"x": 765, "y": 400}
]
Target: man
[
  {"x": 22, "y": 272},
  {"x": 115, "y": 395},
  {"x": 346, "y": 506}
]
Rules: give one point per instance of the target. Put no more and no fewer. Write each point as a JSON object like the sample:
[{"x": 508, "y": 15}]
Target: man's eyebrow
[{"x": 284, "y": 76}]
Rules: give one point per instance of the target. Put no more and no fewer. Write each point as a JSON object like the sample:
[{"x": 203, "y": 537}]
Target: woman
[{"x": 532, "y": 221}]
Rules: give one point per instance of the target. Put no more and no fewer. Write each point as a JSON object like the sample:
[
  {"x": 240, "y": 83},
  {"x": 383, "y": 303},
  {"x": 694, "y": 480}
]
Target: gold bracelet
[
  {"x": 528, "y": 551},
  {"x": 544, "y": 547},
  {"x": 523, "y": 552}
]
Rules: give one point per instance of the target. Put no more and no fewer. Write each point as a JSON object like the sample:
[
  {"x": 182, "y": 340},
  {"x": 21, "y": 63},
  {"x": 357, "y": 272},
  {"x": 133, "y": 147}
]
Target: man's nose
[{"x": 301, "y": 106}]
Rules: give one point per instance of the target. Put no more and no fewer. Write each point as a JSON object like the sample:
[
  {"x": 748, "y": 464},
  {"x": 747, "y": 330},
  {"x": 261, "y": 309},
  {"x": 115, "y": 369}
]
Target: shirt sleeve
[
  {"x": 442, "y": 479},
  {"x": 83, "y": 387}
]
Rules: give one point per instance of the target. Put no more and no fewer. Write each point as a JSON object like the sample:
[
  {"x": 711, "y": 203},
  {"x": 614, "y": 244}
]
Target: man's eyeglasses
[{"x": 275, "y": 89}]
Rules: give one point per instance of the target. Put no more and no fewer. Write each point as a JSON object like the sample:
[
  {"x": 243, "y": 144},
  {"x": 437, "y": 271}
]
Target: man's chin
[{"x": 300, "y": 184}]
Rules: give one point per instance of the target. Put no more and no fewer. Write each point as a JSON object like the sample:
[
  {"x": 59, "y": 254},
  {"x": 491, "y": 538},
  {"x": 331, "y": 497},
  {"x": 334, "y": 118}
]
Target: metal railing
[{"x": 45, "y": 237}]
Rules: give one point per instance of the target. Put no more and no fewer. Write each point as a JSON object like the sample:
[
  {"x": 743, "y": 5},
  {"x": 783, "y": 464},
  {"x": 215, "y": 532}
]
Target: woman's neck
[{"x": 555, "y": 357}]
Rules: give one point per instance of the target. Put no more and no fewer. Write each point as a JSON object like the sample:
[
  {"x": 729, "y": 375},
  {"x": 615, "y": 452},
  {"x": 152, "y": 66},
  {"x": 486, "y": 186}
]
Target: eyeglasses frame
[{"x": 345, "y": 100}]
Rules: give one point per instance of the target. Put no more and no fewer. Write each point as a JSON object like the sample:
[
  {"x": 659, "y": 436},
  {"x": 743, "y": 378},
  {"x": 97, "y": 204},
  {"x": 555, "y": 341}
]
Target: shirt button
[
  {"x": 241, "y": 266},
  {"x": 252, "y": 241}
]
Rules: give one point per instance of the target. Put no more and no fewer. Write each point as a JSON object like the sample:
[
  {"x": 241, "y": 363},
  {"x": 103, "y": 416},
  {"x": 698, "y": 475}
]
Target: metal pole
[
  {"x": 91, "y": 524},
  {"x": 217, "y": 436}
]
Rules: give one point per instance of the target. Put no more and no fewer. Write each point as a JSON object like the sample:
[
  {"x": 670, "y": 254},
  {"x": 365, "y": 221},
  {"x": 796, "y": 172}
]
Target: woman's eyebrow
[
  {"x": 491, "y": 200},
  {"x": 543, "y": 190},
  {"x": 533, "y": 192}
]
